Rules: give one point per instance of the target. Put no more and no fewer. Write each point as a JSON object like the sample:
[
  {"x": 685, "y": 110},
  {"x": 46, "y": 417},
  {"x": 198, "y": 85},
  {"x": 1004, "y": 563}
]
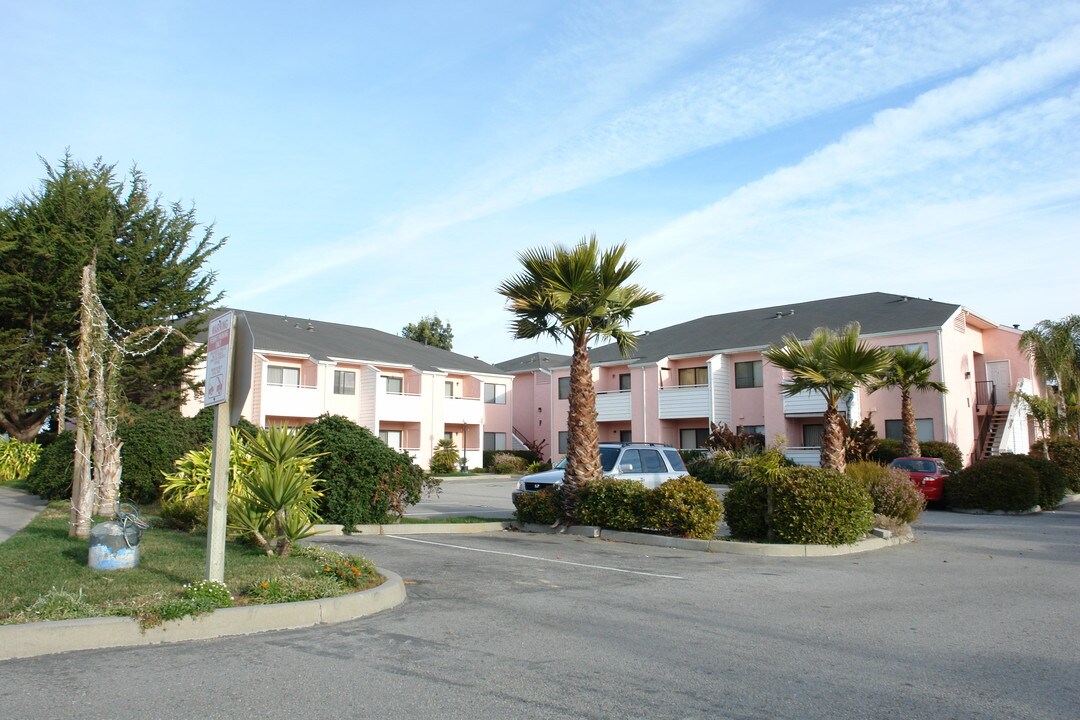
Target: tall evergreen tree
[
  {"x": 430, "y": 330},
  {"x": 151, "y": 270}
]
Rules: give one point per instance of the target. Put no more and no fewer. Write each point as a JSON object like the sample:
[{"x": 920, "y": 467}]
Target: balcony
[
  {"x": 808, "y": 404},
  {"x": 684, "y": 401},
  {"x": 401, "y": 407},
  {"x": 463, "y": 410},
  {"x": 294, "y": 401},
  {"x": 612, "y": 406},
  {"x": 808, "y": 456}
]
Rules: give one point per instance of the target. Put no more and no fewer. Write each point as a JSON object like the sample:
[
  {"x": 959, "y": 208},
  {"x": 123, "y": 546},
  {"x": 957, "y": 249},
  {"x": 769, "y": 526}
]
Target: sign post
[{"x": 219, "y": 347}]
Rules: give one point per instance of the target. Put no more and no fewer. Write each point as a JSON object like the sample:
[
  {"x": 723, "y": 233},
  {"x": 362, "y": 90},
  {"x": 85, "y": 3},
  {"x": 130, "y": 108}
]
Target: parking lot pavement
[
  {"x": 976, "y": 619},
  {"x": 488, "y": 497}
]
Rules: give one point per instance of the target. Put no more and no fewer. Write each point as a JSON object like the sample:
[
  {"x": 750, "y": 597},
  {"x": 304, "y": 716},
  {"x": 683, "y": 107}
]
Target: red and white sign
[{"x": 218, "y": 346}]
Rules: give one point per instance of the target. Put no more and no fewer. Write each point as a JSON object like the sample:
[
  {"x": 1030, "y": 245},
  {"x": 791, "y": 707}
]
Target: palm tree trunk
[
  {"x": 911, "y": 431},
  {"x": 582, "y": 441},
  {"x": 832, "y": 441}
]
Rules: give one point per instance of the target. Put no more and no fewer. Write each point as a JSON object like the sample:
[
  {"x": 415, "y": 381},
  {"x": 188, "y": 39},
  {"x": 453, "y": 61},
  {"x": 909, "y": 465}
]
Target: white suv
[{"x": 651, "y": 464}]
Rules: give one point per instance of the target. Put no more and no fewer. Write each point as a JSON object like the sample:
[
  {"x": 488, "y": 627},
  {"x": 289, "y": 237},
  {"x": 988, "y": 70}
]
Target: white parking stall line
[{"x": 533, "y": 557}]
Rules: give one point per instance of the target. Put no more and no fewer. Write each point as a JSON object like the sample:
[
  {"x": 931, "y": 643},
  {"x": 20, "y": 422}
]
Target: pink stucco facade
[{"x": 675, "y": 399}]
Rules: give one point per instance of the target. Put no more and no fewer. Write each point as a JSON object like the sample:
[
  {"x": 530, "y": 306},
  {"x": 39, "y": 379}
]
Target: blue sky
[{"x": 372, "y": 163}]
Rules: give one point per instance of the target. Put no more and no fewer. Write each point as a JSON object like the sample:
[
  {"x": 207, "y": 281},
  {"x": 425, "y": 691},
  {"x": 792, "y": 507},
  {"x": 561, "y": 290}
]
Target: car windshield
[{"x": 922, "y": 466}]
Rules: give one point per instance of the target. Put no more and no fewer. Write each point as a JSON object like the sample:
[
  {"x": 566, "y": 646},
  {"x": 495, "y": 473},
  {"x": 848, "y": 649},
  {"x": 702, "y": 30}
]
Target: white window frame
[
  {"x": 282, "y": 371},
  {"x": 495, "y": 394},
  {"x": 756, "y": 380},
  {"x": 340, "y": 386}
]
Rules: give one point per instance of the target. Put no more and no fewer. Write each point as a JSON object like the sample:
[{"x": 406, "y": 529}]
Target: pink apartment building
[
  {"x": 710, "y": 370},
  {"x": 411, "y": 395}
]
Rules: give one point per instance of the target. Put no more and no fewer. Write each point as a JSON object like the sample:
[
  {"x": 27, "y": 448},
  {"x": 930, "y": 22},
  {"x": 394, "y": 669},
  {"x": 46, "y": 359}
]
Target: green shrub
[
  {"x": 1065, "y": 453},
  {"x": 364, "y": 481},
  {"x": 746, "y": 509},
  {"x": 947, "y": 451},
  {"x": 611, "y": 503},
  {"x": 51, "y": 475},
  {"x": 507, "y": 464},
  {"x": 996, "y": 483},
  {"x": 529, "y": 456},
  {"x": 293, "y": 588},
  {"x": 543, "y": 507},
  {"x": 185, "y": 513},
  {"x": 153, "y": 441},
  {"x": 445, "y": 458},
  {"x": 17, "y": 459},
  {"x": 894, "y": 494},
  {"x": 352, "y": 571},
  {"x": 1053, "y": 482},
  {"x": 683, "y": 507},
  {"x": 821, "y": 507},
  {"x": 537, "y": 467},
  {"x": 887, "y": 450},
  {"x": 809, "y": 506}
]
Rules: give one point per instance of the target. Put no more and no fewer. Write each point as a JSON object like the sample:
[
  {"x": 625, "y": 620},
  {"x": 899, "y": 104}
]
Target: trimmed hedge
[
  {"x": 809, "y": 506},
  {"x": 947, "y": 451},
  {"x": 887, "y": 450},
  {"x": 1053, "y": 483},
  {"x": 683, "y": 507},
  {"x": 50, "y": 478},
  {"x": 611, "y": 503},
  {"x": 1065, "y": 453},
  {"x": 527, "y": 455},
  {"x": 894, "y": 494},
  {"x": 543, "y": 507},
  {"x": 153, "y": 441},
  {"x": 363, "y": 480},
  {"x": 997, "y": 483}
]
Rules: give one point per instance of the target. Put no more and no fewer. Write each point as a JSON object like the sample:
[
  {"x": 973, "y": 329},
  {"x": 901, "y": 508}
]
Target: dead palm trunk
[{"x": 832, "y": 441}]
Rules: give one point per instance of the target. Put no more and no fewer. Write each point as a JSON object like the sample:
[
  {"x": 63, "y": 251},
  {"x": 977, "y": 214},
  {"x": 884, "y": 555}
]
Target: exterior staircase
[{"x": 991, "y": 438}]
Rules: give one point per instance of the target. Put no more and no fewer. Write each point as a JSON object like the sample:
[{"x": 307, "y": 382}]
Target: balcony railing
[
  {"x": 808, "y": 403},
  {"x": 404, "y": 407},
  {"x": 301, "y": 401},
  {"x": 612, "y": 406},
  {"x": 463, "y": 409},
  {"x": 809, "y": 456},
  {"x": 985, "y": 393},
  {"x": 684, "y": 401}
]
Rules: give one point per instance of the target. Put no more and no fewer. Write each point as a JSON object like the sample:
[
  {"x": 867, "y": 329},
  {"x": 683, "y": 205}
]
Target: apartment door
[{"x": 998, "y": 373}]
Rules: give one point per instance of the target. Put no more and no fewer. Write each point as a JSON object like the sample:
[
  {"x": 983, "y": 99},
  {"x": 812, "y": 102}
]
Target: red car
[{"x": 928, "y": 474}]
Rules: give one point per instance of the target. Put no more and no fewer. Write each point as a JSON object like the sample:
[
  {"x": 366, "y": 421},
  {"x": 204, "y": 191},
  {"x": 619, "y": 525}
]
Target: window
[
  {"x": 748, "y": 374},
  {"x": 283, "y": 376},
  {"x": 924, "y": 426},
  {"x": 624, "y": 382},
  {"x": 643, "y": 460},
  {"x": 391, "y": 438},
  {"x": 675, "y": 460},
  {"x": 395, "y": 384},
  {"x": 495, "y": 394},
  {"x": 693, "y": 438},
  {"x": 811, "y": 435},
  {"x": 448, "y": 388},
  {"x": 344, "y": 382},
  {"x": 921, "y": 348},
  {"x": 564, "y": 388},
  {"x": 625, "y": 436},
  {"x": 694, "y": 376},
  {"x": 494, "y": 441},
  {"x": 562, "y": 441},
  {"x": 750, "y": 430},
  {"x": 448, "y": 436}
]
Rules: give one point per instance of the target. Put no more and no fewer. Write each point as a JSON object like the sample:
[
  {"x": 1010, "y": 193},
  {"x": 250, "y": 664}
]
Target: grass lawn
[{"x": 42, "y": 558}]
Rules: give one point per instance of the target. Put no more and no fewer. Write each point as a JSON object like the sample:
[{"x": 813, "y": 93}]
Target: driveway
[
  {"x": 487, "y": 497},
  {"x": 977, "y": 619}
]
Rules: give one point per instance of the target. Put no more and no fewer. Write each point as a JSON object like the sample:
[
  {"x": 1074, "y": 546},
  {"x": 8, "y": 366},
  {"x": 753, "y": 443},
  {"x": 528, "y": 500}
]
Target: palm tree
[
  {"x": 1055, "y": 349},
  {"x": 579, "y": 294},
  {"x": 908, "y": 370},
  {"x": 833, "y": 364}
]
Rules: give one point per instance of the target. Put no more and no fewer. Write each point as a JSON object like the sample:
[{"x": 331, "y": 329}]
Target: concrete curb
[
  {"x": 46, "y": 638},
  {"x": 415, "y": 529},
  {"x": 732, "y": 547}
]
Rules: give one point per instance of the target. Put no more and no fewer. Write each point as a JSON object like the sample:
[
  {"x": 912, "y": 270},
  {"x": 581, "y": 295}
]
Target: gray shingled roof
[
  {"x": 325, "y": 340},
  {"x": 534, "y": 361},
  {"x": 875, "y": 312}
]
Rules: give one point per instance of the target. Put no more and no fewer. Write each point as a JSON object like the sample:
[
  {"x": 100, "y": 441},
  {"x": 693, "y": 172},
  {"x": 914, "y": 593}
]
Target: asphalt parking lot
[{"x": 977, "y": 619}]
